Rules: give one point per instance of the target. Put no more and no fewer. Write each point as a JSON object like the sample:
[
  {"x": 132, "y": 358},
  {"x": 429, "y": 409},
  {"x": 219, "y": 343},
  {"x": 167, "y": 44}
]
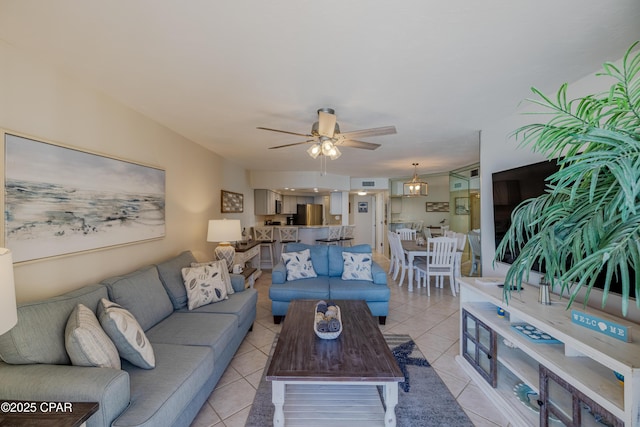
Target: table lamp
[
  {"x": 8, "y": 313},
  {"x": 224, "y": 231}
]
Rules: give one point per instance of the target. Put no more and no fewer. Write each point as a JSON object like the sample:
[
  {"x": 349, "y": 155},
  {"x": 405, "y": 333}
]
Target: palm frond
[{"x": 588, "y": 220}]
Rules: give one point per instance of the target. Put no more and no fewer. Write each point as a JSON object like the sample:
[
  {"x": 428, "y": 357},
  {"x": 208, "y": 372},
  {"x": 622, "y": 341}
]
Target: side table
[
  {"x": 44, "y": 414},
  {"x": 248, "y": 255}
]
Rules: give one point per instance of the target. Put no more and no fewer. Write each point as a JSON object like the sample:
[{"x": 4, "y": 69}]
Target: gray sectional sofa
[
  {"x": 328, "y": 265},
  {"x": 192, "y": 349}
]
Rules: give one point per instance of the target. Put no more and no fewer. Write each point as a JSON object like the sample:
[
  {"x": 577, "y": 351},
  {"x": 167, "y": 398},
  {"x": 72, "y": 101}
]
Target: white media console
[{"x": 538, "y": 381}]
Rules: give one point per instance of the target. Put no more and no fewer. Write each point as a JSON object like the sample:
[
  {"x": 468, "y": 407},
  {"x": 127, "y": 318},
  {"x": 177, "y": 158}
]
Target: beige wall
[{"x": 47, "y": 104}]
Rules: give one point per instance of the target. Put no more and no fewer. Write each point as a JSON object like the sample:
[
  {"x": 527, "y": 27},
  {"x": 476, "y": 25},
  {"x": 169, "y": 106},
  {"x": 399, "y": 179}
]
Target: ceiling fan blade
[
  {"x": 291, "y": 145},
  {"x": 364, "y": 133},
  {"x": 285, "y": 131},
  {"x": 326, "y": 124},
  {"x": 358, "y": 144}
]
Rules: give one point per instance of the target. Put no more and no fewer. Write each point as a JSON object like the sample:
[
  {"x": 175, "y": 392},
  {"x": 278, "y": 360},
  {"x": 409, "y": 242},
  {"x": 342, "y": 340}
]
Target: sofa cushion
[
  {"x": 86, "y": 343},
  {"x": 141, "y": 292},
  {"x": 126, "y": 333},
  {"x": 204, "y": 285},
  {"x": 358, "y": 289},
  {"x": 298, "y": 265},
  {"x": 336, "y": 263},
  {"x": 39, "y": 335},
  {"x": 159, "y": 396},
  {"x": 318, "y": 256},
  {"x": 222, "y": 265},
  {"x": 313, "y": 288},
  {"x": 356, "y": 266},
  {"x": 170, "y": 272},
  {"x": 241, "y": 304},
  {"x": 208, "y": 329}
]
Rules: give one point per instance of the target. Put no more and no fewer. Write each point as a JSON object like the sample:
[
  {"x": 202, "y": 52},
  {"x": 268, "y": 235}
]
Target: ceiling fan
[{"x": 326, "y": 136}]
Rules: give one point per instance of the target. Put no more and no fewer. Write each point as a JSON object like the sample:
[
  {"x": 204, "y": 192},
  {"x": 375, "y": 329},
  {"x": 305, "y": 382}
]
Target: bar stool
[
  {"x": 347, "y": 234},
  {"x": 287, "y": 235},
  {"x": 264, "y": 235},
  {"x": 334, "y": 236}
]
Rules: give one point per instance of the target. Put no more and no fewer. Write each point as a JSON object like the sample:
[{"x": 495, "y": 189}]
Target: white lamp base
[{"x": 225, "y": 252}]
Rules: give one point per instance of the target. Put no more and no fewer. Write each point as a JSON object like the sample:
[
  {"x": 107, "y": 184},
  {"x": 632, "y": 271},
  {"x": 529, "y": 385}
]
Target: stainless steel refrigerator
[{"x": 309, "y": 215}]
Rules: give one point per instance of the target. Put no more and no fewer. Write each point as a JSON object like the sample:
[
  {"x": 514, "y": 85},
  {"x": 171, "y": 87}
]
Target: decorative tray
[
  {"x": 328, "y": 322},
  {"x": 534, "y": 334}
]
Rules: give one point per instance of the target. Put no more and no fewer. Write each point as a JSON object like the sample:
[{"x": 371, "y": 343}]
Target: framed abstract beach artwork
[{"x": 60, "y": 200}]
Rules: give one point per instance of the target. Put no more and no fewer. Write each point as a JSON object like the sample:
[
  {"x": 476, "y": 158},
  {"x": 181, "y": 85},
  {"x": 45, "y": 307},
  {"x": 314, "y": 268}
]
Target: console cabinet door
[
  {"x": 562, "y": 404},
  {"x": 479, "y": 347}
]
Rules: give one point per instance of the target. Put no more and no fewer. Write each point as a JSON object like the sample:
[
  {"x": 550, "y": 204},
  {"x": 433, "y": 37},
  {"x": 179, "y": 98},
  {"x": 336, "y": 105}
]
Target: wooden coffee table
[{"x": 317, "y": 376}]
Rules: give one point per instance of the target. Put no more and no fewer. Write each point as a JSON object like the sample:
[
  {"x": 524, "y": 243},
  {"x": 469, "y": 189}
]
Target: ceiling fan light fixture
[
  {"x": 416, "y": 187},
  {"x": 327, "y": 146},
  {"x": 314, "y": 151},
  {"x": 334, "y": 153}
]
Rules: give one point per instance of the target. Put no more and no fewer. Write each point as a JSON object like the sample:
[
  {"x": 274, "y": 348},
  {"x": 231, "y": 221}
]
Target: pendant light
[{"x": 416, "y": 187}]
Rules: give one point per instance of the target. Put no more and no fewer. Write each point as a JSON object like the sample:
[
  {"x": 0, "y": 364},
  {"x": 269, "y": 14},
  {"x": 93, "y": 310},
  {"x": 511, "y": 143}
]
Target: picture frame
[
  {"x": 231, "y": 202},
  {"x": 437, "y": 206},
  {"x": 60, "y": 200},
  {"x": 462, "y": 206}
]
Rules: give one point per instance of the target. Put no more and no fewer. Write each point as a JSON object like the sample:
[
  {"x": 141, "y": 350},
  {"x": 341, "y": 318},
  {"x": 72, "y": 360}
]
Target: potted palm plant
[{"x": 588, "y": 220}]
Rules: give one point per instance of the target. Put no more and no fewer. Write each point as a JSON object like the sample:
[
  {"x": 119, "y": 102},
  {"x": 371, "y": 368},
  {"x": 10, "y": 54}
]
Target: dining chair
[
  {"x": 440, "y": 263},
  {"x": 264, "y": 235},
  {"x": 333, "y": 238},
  {"x": 401, "y": 265},
  {"x": 427, "y": 232},
  {"x": 392, "y": 253},
  {"x": 474, "y": 244},
  {"x": 347, "y": 234},
  {"x": 406, "y": 233},
  {"x": 287, "y": 235}
]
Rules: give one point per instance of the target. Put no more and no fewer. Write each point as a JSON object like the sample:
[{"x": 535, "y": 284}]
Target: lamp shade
[
  {"x": 224, "y": 230},
  {"x": 8, "y": 313}
]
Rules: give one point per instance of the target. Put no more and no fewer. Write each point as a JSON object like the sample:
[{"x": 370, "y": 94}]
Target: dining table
[{"x": 412, "y": 249}]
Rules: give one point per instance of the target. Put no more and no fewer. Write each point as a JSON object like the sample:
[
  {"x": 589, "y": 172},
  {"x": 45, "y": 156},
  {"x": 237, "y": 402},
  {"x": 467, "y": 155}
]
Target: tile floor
[{"x": 433, "y": 323}]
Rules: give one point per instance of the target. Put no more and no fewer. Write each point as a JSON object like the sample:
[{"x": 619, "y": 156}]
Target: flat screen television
[{"x": 512, "y": 186}]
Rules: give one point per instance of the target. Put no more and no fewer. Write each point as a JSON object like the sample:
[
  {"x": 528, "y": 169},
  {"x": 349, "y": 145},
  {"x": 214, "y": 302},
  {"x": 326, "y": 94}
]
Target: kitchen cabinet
[
  {"x": 265, "y": 202},
  {"x": 289, "y": 205},
  {"x": 564, "y": 375},
  {"x": 335, "y": 203}
]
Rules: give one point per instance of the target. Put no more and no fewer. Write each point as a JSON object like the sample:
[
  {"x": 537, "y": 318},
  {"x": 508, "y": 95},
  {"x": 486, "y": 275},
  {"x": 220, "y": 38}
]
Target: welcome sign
[{"x": 615, "y": 330}]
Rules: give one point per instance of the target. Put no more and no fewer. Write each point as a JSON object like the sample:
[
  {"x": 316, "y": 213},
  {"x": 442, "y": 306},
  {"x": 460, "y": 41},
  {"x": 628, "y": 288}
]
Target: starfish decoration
[{"x": 401, "y": 353}]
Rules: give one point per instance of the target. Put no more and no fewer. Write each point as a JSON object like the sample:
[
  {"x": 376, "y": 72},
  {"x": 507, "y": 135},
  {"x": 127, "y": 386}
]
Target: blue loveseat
[
  {"x": 328, "y": 264},
  {"x": 192, "y": 349}
]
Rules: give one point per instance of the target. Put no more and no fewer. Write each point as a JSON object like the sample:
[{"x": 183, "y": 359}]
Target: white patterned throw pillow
[
  {"x": 356, "y": 266},
  {"x": 204, "y": 285},
  {"x": 298, "y": 265},
  {"x": 225, "y": 272},
  {"x": 86, "y": 343},
  {"x": 126, "y": 333}
]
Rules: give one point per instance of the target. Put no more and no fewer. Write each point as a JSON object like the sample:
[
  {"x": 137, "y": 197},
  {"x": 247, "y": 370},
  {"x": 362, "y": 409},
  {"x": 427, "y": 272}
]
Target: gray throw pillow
[{"x": 127, "y": 334}]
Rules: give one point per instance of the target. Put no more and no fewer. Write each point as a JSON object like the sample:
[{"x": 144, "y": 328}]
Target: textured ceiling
[{"x": 213, "y": 71}]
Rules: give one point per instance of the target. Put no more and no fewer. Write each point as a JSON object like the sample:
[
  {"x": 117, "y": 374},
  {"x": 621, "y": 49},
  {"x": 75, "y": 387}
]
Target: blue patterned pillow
[
  {"x": 299, "y": 265},
  {"x": 356, "y": 266},
  {"x": 204, "y": 285}
]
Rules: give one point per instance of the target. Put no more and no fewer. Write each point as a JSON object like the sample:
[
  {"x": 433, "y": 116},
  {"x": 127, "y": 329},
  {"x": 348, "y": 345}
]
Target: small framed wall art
[
  {"x": 231, "y": 202},
  {"x": 437, "y": 206}
]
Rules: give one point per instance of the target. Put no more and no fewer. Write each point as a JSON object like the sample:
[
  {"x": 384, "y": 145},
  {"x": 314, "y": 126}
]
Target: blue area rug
[{"x": 423, "y": 399}]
